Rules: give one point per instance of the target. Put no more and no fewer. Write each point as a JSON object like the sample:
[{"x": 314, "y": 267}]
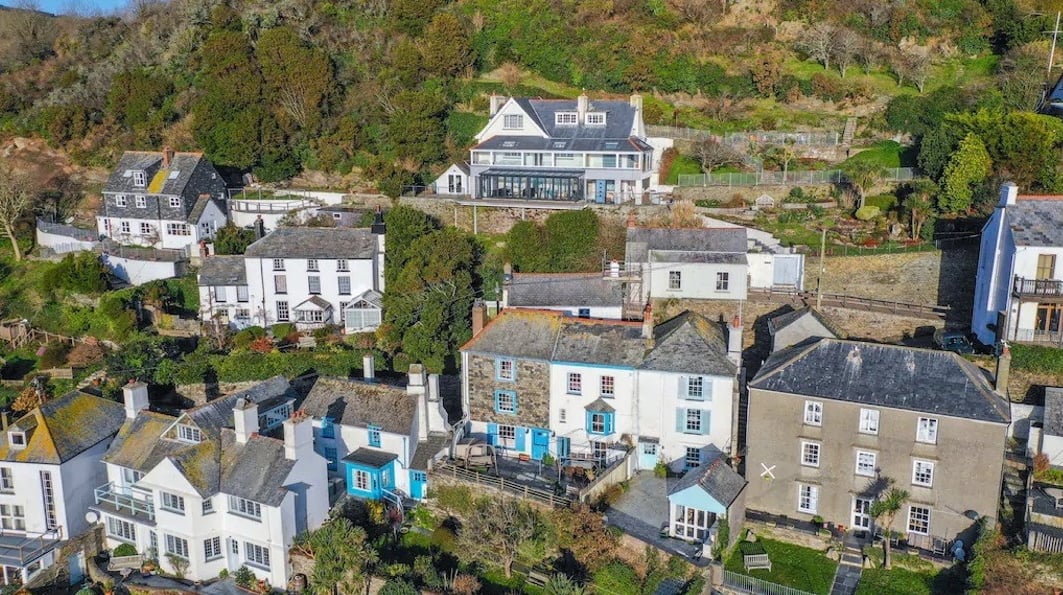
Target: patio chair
[
  {"x": 663, "y": 532},
  {"x": 940, "y": 546}
]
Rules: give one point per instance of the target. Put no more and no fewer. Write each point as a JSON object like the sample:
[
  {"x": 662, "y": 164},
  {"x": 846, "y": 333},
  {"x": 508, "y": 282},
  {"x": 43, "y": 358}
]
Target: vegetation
[
  {"x": 791, "y": 565},
  {"x": 884, "y": 510}
]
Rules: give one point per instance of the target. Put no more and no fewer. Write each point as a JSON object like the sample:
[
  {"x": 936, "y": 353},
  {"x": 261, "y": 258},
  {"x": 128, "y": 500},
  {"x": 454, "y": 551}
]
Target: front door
[
  {"x": 418, "y": 484},
  {"x": 861, "y": 513},
  {"x": 562, "y": 448},
  {"x": 540, "y": 443},
  {"x": 648, "y": 455},
  {"x": 599, "y": 191},
  {"x": 1048, "y": 318}
]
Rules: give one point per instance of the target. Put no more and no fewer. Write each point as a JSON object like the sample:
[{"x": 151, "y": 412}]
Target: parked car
[{"x": 955, "y": 341}]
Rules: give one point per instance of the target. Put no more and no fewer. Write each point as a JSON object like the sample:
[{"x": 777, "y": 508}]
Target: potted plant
[
  {"x": 108, "y": 588},
  {"x": 817, "y": 521},
  {"x": 147, "y": 567}
]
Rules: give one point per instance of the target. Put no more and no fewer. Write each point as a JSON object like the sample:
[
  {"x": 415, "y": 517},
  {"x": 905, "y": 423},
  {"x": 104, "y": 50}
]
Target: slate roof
[
  {"x": 600, "y": 405},
  {"x": 315, "y": 242},
  {"x": 256, "y": 470},
  {"x": 63, "y": 428},
  {"x": 643, "y": 240},
  {"x": 715, "y": 476},
  {"x": 590, "y": 290},
  {"x": 782, "y": 321},
  {"x": 924, "y": 380},
  {"x": 370, "y": 457},
  {"x": 619, "y": 117},
  {"x": 359, "y": 404},
  {"x": 315, "y": 300},
  {"x": 159, "y": 180},
  {"x": 687, "y": 343},
  {"x": 1036, "y": 221},
  {"x": 223, "y": 270},
  {"x": 698, "y": 257},
  {"x": 1053, "y": 415},
  {"x": 538, "y": 143}
]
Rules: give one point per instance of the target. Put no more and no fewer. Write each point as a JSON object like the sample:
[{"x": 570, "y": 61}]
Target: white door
[{"x": 861, "y": 513}]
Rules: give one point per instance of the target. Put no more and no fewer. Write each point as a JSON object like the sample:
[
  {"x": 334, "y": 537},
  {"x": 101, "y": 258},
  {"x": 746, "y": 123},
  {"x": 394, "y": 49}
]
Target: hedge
[
  {"x": 1037, "y": 359},
  {"x": 241, "y": 367}
]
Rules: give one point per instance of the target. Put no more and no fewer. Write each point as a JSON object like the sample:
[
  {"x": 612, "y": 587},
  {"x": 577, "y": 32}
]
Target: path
[{"x": 850, "y": 567}]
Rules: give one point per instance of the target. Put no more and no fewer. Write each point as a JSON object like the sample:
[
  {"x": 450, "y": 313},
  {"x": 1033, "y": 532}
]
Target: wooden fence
[
  {"x": 739, "y": 583},
  {"x": 501, "y": 483},
  {"x": 793, "y": 296}
]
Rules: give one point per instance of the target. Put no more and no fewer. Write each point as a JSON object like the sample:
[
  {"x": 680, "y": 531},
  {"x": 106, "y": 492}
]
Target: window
[
  {"x": 675, "y": 280},
  {"x": 212, "y": 548},
  {"x": 807, "y": 498},
  {"x": 869, "y": 421},
  {"x": 130, "y": 476},
  {"x": 244, "y": 507},
  {"x": 328, "y": 429},
  {"x": 278, "y": 264},
  {"x": 124, "y": 227},
  {"x": 596, "y": 118},
  {"x": 693, "y": 457},
  {"x": 120, "y": 200},
  {"x": 923, "y": 473},
  {"x": 693, "y": 420},
  {"x": 241, "y": 293},
  {"x": 344, "y": 283},
  {"x": 695, "y": 388},
  {"x": 583, "y": 312},
  {"x": 504, "y": 369},
  {"x": 507, "y": 432},
  {"x": 18, "y": 439},
  {"x": 723, "y": 281},
  {"x": 311, "y": 264},
  {"x": 866, "y": 462},
  {"x": 814, "y": 413},
  {"x": 7, "y": 480},
  {"x": 12, "y": 517},
  {"x": 505, "y": 402},
  {"x": 927, "y": 430},
  {"x": 314, "y": 283},
  {"x": 175, "y": 202},
  {"x": 173, "y": 502},
  {"x": 189, "y": 434},
  {"x": 220, "y": 294},
  {"x": 341, "y": 265},
  {"x": 208, "y": 506},
  {"x": 332, "y": 457},
  {"x": 374, "y": 436},
  {"x": 177, "y": 546},
  {"x": 236, "y": 546},
  {"x": 692, "y": 523},
  {"x": 178, "y": 229},
  {"x": 256, "y": 555},
  {"x": 361, "y": 480},
  {"x": 139, "y": 179},
  {"x": 562, "y": 416},
  {"x": 280, "y": 284},
  {"x": 919, "y": 520},
  {"x": 310, "y": 316},
  {"x": 608, "y": 386},
  {"x": 48, "y": 493},
  {"x": 123, "y": 530},
  {"x": 242, "y": 314},
  {"x": 810, "y": 454},
  {"x": 599, "y": 422},
  {"x": 1046, "y": 266},
  {"x": 575, "y": 383},
  {"x": 145, "y": 229},
  {"x": 141, "y": 202},
  {"x": 513, "y": 122},
  {"x": 566, "y": 119}
]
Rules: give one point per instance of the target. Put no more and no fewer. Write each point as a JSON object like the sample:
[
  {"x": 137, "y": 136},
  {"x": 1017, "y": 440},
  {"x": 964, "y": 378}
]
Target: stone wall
[
  {"x": 532, "y": 386},
  {"x": 57, "y": 575}
]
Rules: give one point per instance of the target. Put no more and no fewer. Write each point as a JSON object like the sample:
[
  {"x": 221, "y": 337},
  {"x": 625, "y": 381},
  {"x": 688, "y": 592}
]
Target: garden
[{"x": 792, "y": 565}]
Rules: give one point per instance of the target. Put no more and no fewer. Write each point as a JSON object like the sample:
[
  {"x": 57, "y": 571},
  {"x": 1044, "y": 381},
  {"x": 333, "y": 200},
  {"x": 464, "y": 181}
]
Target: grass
[
  {"x": 791, "y": 565},
  {"x": 683, "y": 164},
  {"x": 885, "y": 154},
  {"x": 910, "y": 575}
]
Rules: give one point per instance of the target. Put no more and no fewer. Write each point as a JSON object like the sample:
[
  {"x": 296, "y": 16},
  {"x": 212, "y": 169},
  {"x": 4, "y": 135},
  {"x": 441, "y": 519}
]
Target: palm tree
[
  {"x": 884, "y": 510},
  {"x": 862, "y": 176}
]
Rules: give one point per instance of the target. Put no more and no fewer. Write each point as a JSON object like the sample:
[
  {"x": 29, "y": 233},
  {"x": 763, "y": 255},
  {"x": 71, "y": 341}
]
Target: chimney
[
  {"x": 1009, "y": 192},
  {"x": 135, "y": 396},
  {"x": 245, "y": 420},
  {"x": 636, "y": 101},
  {"x": 5, "y": 420},
  {"x": 497, "y": 101},
  {"x": 507, "y": 280},
  {"x": 298, "y": 437},
  {"x": 368, "y": 367},
  {"x": 260, "y": 228},
  {"x": 647, "y": 325},
  {"x": 1000, "y": 383},
  {"x": 379, "y": 229},
  {"x": 581, "y": 107},
  {"x": 167, "y": 157},
  {"x": 734, "y": 340},
  {"x": 479, "y": 316},
  {"x": 435, "y": 415}
]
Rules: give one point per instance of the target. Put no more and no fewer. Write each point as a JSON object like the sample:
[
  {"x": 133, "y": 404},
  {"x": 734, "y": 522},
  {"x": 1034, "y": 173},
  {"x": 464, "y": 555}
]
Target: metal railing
[
  {"x": 123, "y": 498},
  {"x": 615, "y": 269},
  {"x": 270, "y": 206},
  {"x": 1037, "y": 287},
  {"x": 755, "y": 586},
  {"x": 501, "y": 483},
  {"x": 77, "y": 233},
  {"x": 760, "y": 137},
  {"x": 142, "y": 252},
  {"x": 32, "y": 545},
  {"x": 778, "y": 178}
]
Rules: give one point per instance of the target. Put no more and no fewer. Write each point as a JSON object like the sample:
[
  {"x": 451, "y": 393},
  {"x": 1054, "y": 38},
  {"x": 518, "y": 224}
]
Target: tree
[
  {"x": 342, "y": 554},
  {"x": 404, "y": 225},
  {"x": 497, "y": 529},
  {"x": 782, "y": 154},
  {"x": 17, "y": 191},
  {"x": 969, "y": 166},
  {"x": 583, "y": 538},
  {"x": 232, "y": 239},
  {"x": 297, "y": 78},
  {"x": 847, "y": 46},
  {"x": 884, "y": 510},
  {"x": 227, "y": 117},
  {"x": 818, "y": 42},
  {"x": 862, "y": 175},
  {"x": 711, "y": 153},
  {"x": 446, "y": 48},
  {"x": 524, "y": 246},
  {"x": 919, "y": 203},
  {"x": 569, "y": 236},
  {"x": 912, "y": 64},
  {"x": 138, "y": 97},
  {"x": 1020, "y": 75}
]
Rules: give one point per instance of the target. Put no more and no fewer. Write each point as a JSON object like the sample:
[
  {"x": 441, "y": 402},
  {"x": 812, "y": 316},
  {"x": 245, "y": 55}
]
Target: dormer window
[
  {"x": 513, "y": 122},
  {"x": 175, "y": 202},
  {"x": 566, "y": 119},
  {"x": 17, "y": 439},
  {"x": 120, "y": 200},
  {"x": 595, "y": 118},
  {"x": 189, "y": 434},
  {"x": 139, "y": 178}
]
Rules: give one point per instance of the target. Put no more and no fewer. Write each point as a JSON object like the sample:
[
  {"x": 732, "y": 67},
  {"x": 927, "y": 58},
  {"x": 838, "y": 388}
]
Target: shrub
[
  {"x": 282, "y": 330},
  {"x": 827, "y": 87},
  {"x": 54, "y": 356},
  {"x": 617, "y": 578},
  {"x": 86, "y": 354},
  {"x": 884, "y": 202},
  {"x": 398, "y": 586},
  {"x": 82, "y": 272},
  {"x": 125, "y": 549},
  {"x": 976, "y": 568},
  {"x": 660, "y": 470},
  {"x": 243, "y": 577},
  {"x": 707, "y": 203},
  {"x": 261, "y": 345},
  {"x": 243, "y": 339},
  {"x": 867, "y": 212},
  {"x": 444, "y": 538}
]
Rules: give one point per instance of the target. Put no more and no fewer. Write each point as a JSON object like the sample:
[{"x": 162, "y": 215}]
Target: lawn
[
  {"x": 791, "y": 565},
  {"x": 910, "y": 575},
  {"x": 683, "y": 164},
  {"x": 886, "y": 154}
]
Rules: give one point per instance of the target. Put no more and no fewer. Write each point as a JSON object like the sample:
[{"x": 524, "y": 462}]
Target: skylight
[{"x": 174, "y": 174}]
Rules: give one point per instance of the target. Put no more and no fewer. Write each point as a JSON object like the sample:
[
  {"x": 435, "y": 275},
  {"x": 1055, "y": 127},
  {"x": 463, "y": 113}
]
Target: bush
[
  {"x": 617, "y": 578},
  {"x": 444, "y": 539},
  {"x": 261, "y": 345},
  {"x": 884, "y": 202},
  {"x": 398, "y": 586},
  {"x": 454, "y": 498},
  {"x": 125, "y": 549},
  {"x": 867, "y": 212},
  {"x": 54, "y": 356},
  {"x": 243, "y": 577},
  {"x": 282, "y": 330},
  {"x": 86, "y": 354},
  {"x": 976, "y": 568},
  {"x": 660, "y": 470},
  {"x": 707, "y": 203},
  {"x": 827, "y": 87},
  {"x": 81, "y": 272},
  {"x": 244, "y": 338}
]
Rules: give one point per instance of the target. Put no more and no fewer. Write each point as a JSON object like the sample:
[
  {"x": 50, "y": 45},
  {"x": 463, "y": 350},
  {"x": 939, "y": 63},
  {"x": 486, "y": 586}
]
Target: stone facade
[{"x": 532, "y": 386}]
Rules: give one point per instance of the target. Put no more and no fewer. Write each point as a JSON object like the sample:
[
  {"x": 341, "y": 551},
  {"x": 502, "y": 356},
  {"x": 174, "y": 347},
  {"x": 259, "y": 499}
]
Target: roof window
[
  {"x": 595, "y": 118},
  {"x": 566, "y": 119}
]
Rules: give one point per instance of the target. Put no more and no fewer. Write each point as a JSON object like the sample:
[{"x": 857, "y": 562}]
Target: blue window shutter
[
  {"x": 682, "y": 387},
  {"x": 497, "y": 393},
  {"x": 590, "y": 419},
  {"x": 608, "y": 423},
  {"x": 492, "y": 434},
  {"x": 518, "y": 438},
  {"x": 680, "y": 419},
  {"x": 706, "y": 419},
  {"x": 515, "y": 408}
]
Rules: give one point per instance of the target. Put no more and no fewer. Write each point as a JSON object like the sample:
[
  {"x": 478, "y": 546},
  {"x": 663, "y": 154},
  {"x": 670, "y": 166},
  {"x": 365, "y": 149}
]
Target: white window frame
[
  {"x": 121, "y": 529},
  {"x": 120, "y": 200},
  {"x": 7, "y": 479},
  {"x": 278, "y": 264},
  {"x": 12, "y": 517},
  {"x": 574, "y": 386},
  {"x": 245, "y": 508},
  {"x": 283, "y": 313},
  {"x": 312, "y": 265},
  {"x": 696, "y": 388},
  {"x": 869, "y": 419},
  {"x": 692, "y": 457},
  {"x": 506, "y": 367},
  {"x": 140, "y": 178},
  {"x": 866, "y": 462},
  {"x": 507, "y": 432},
  {"x": 566, "y": 119},
  {"x": 361, "y": 480},
  {"x": 256, "y": 555},
  {"x": 512, "y": 122},
  {"x": 140, "y": 201},
  {"x": 507, "y": 401},
  {"x": 343, "y": 284},
  {"x": 924, "y": 511},
  {"x": 695, "y": 420},
  {"x": 723, "y": 281},
  {"x": 607, "y": 385},
  {"x": 595, "y": 118},
  {"x": 175, "y": 202},
  {"x": 313, "y": 284},
  {"x": 146, "y": 229},
  {"x": 187, "y": 433},
  {"x": 212, "y": 548},
  {"x": 813, "y": 413},
  {"x": 923, "y": 473},
  {"x": 926, "y": 430},
  {"x": 174, "y": 503},
  {"x": 177, "y": 546},
  {"x": 178, "y": 229},
  {"x": 675, "y": 280},
  {"x": 341, "y": 265},
  {"x": 562, "y": 415},
  {"x": 124, "y": 227},
  {"x": 807, "y": 498},
  {"x": 208, "y": 506},
  {"x": 810, "y": 453}
]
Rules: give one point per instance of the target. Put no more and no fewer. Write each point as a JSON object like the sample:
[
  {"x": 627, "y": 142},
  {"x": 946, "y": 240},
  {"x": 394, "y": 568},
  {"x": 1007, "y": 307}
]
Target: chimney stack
[
  {"x": 636, "y": 101},
  {"x": 167, "y": 157},
  {"x": 245, "y": 419},
  {"x": 507, "y": 280},
  {"x": 369, "y": 367},
  {"x": 497, "y": 101},
  {"x": 260, "y": 228},
  {"x": 135, "y": 396},
  {"x": 1000, "y": 383},
  {"x": 582, "y": 104},
  {"x": 479, "y": 316},
  {"x": 647, "y": 325},
  {"x": 298, "y": 437},
  {"x": 734, "y": 340},
  {"x": 1009, "y": 192}
]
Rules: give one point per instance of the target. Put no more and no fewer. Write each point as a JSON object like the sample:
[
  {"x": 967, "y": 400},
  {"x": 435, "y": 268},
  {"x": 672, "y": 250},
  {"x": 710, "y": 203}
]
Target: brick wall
[{"x": 532, "y": 386}]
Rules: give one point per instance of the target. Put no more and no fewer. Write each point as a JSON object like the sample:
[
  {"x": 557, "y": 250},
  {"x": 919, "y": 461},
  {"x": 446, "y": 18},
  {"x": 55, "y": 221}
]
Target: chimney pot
[
  {"x": 368, "y": 367},
  {"x": 1000, "y": 382},
  {"x": 647, "y": 323},
  {"x": 1009, "y": 193},
  {"x": 479, "y": 316},
  {"x": 167, "y": 156}
]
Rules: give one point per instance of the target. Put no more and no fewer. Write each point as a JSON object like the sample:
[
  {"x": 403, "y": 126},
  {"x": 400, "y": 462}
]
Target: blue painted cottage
[{"x": 703, "y": 496}]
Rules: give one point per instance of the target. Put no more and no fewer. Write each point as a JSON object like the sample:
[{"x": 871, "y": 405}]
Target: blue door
[
  {"x": 562, "y": 448},
  {"x": 599, "y": 191},
  {"x": 648, "y": 457},
  {"x": 492, "y": 434},
  {"x": 540, "y": 443},
  {"x": 418, "y": 484},
  {"x": 519, "y": 439}
]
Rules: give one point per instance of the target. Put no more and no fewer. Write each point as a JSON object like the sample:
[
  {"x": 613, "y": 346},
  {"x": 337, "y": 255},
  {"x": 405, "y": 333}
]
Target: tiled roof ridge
[
  {"x": 799, "y": 352},
  {"x": 987, "y": 392},
  {"x": 1039, "y": 197},
  {"x": 558, "y": 315}
]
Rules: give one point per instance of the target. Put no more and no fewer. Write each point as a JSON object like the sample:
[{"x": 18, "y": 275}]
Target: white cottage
[{"x": 454, "y": 181}]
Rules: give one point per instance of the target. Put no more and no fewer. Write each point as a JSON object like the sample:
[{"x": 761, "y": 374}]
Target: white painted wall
[
  {"x": 574, "y": 428},
  {"x": 608, "y": 313},
  {"x": 247, "y": 219},
  {"x": 137, "y": 272},
  {"x": 442, "y": 183},
  {"x": 496, "y": 125},
  {"x": 659, "y": 397},
  {"x": 61, "y": 244},
  {"x": 698, "y": 281},
  {"x": 262, "y": 288},
  {"x": 350, "y": 438}
]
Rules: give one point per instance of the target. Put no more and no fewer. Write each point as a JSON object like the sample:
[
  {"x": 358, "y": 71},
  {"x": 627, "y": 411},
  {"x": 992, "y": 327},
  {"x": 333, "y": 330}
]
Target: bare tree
[
  {"x": 911, "y": 64},
  {"x": 711, "y": 153},
  {"x": 17, "y": 191},
  {"x": 818, "y": 42},
  {"x": 847, "y": 45},
  {"x": 869, "y": 54}
]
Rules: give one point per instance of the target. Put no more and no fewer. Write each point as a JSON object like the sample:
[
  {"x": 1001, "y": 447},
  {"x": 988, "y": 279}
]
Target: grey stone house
[
  {"x": 162, "y": 199},
  {"x": 830, "y": 422}
]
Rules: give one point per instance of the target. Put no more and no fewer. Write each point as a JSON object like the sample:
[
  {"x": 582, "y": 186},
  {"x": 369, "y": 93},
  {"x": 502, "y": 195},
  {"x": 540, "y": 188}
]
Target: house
[
  {"x": 1018, "y": 293},
  {"x": 562, "y": 150},
  {"x": 379, "y": 439},
  {"x": 162, "y": 199},
  {"x": 311, "y": 276},
  {"x": 832, "y": 422},
  {"x": 799, "y": 325},
  {"x": 703, "y": 496},
  {"x": 538, "y": 382},
  {"x": 49, "y": 463},
  {"x": 453, "y": 181},
  {"x": 344, "y": 216},
  {"x": 705, "y": 263},
  {"x": 587, "y": 295},
  {"x": 1044, "y": 498},
  {"x": 209, "y": 489}
]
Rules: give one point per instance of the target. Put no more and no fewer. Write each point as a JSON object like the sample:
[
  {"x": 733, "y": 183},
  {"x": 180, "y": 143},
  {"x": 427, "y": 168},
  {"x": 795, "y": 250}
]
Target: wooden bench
[
  {"x": 756, "y": 562},
  {"x": 538, "y": 577}
]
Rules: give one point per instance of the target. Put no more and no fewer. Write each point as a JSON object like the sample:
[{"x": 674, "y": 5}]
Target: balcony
[
  {"x": 622, "y": 271},
  {"x": 1038, "y": 289},
  {"x": 20, "y": 548},
  {"x": 125, "y": 501}
]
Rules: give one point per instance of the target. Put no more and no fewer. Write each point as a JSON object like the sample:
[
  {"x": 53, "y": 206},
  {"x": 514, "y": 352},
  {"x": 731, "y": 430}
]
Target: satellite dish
[{"x": 92, "y": 517}]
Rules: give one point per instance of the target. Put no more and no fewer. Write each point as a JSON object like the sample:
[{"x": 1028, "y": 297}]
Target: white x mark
[{"x": 768, "y": 471}]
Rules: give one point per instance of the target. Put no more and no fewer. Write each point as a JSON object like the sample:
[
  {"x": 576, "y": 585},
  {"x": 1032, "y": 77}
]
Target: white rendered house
[
  {"x": 454, "y": 181},
  {"x": 209, "y": 490},
  {"x": 49, "y": 463}
]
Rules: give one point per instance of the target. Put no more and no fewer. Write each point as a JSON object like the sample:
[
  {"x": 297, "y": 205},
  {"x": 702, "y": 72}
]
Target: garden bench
[
  {"x": 538, "y": 577},
  {"x": 756, "y": 561}
]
